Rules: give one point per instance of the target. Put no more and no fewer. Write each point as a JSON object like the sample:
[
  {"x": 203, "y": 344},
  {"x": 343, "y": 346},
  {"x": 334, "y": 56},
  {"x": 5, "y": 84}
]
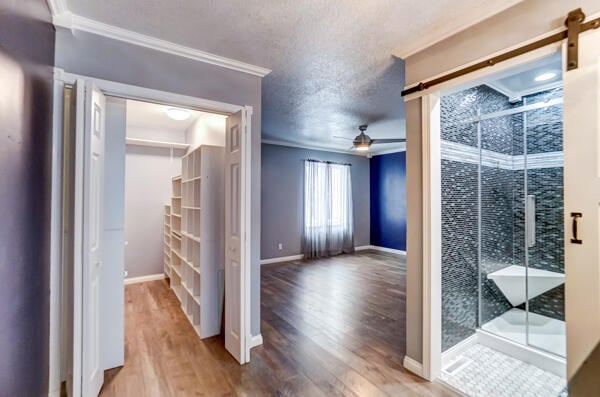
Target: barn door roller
[
  {"x": 575, "y": 26},
  {"x": 573, "y": 22}
]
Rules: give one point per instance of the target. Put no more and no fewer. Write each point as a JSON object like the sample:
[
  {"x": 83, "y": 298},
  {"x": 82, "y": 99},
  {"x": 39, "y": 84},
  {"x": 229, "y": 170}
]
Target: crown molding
[
  {"x": 66, "y": 19},
  {"x": 433, "y": 37},
  {"x": 57, "y": 7},
  {"x": 311, "y": 147},
  {"x": 368, "y": 154},
  {"x": 388, "y": 151}
]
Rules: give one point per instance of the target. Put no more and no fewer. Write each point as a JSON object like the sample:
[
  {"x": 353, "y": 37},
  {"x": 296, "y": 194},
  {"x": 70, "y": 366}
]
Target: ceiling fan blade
[
  {"x": 343, "y": 137},
  {"x": 352, "y": 148},
  {"x": 390, "y": 140}
]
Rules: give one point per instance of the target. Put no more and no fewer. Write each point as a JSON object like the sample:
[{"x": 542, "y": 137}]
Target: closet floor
[{"x": 332, "y": 326}]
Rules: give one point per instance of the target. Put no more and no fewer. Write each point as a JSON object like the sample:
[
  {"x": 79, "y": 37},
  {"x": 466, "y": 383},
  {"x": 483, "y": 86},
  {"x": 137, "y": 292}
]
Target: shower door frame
[{"x": 431, "y": 201}]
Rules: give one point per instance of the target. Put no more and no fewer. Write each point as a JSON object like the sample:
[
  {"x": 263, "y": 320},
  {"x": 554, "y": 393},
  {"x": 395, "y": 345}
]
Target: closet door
[
  {"x": 93, "y": 220},
  {"x": 235, "y": 327}
]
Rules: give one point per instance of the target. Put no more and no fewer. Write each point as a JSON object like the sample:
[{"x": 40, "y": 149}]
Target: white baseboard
[
  {"x": 359, "y": 248},
  {"x": 281, "y": 259},
  {"x": 378, "y": 248},
  {"x": 413, "y": 366},
  {"x": 256, "y": 340},
  {"x": 142, "y": 279}
]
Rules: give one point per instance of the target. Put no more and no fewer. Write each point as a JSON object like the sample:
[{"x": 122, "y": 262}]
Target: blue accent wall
[{"x": 388, "y": 200}]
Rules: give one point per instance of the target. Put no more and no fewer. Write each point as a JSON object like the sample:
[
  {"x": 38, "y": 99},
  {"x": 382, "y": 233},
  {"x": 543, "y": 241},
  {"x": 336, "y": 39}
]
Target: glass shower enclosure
[{"x": 502, "y": 218}]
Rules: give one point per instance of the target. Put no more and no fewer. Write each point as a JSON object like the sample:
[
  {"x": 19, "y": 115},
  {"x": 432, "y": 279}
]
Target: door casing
[{"x": 110, "y": 88}]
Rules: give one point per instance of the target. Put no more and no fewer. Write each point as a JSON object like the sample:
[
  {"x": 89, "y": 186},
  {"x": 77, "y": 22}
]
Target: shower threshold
[{"x": 545, "y": 333}]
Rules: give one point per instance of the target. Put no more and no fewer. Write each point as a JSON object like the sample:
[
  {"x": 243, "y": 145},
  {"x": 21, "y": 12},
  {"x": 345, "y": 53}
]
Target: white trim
[
  {"x": 143, "y": 279},
  {"x": 301, "y": 256},
  {"x": 151, "y": 143},
  {"x": 384, "y": 249},
  {"x": 429, "y": 39},
  {"x": 246, "y": 232},
  {"x": 129, "y": 91},
  {"x": 311, "y": 147},
  {"x": 54, "y": 393},
  {"x": 57, "y": 6},
  {"x": 432, "y": 285},
  {"x": 71, "y": 21},
  {"x": 363, "y": 247},
  {"x": 256, "y": 340},
  {"x": 368, "y": 154},
  {"x": 282, "y": 259},
  {"x": 56, "y": 325},
  {"x": 387, "y": 151},
  {"x": 413, "y": 366}
]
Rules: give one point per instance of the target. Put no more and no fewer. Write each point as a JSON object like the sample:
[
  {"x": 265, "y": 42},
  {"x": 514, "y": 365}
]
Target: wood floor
[{"x": 332, "y": 327}]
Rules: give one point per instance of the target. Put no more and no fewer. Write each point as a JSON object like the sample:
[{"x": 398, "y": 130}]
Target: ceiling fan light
[{"x": 362, "y": 147}]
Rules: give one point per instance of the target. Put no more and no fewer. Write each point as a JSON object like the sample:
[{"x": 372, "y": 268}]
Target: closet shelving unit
[
  {"x": 167, "y": 241},
  {"x": 197, "y": 243}
]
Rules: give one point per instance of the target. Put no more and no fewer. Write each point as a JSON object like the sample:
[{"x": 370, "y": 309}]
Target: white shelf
[
  {"x": 198, "y": 200},
  {"x": 152, "y": 143}
]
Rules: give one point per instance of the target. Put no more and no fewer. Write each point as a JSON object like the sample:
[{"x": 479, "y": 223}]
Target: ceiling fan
[{"x": 362, "y": 142}]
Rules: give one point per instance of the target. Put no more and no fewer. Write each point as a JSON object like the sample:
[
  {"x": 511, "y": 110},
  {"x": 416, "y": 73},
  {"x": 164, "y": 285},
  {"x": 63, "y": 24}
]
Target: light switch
[{"x": 280, "y": 246}]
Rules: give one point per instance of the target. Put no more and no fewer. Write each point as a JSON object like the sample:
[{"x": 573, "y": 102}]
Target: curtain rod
[{"x": 328, "y": 162}]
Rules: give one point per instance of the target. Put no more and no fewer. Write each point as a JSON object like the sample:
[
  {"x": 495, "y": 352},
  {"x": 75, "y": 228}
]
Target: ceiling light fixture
[
  {"x": 178, "y": 114},
  {"x": 361, "y": 147},
  {"x": 545, "y": 76}
]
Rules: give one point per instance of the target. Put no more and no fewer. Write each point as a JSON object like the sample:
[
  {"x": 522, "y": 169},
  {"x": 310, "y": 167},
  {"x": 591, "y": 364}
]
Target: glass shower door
[
  {"x": 544, "y": 239},
  {"x": 503, "y": 287}
]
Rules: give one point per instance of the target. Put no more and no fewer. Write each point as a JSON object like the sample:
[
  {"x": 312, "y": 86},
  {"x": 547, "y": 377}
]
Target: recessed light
[
  {"x": 545, "y": 76},
  {"x": 178, "y": 114}
]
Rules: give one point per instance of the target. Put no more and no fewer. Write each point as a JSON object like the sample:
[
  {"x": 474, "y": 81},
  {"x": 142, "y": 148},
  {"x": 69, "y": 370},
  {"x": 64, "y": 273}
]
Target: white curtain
[{"x": 328, "y": 223}]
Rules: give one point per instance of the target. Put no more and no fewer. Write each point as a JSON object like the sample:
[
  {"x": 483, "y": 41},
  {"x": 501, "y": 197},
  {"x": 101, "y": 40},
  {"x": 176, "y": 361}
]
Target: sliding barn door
[
  {"x": 582, "y": 201},
  {"x": 235, "y": 321}
]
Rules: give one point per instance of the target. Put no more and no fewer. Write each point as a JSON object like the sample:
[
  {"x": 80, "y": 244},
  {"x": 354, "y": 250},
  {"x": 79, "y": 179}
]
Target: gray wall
[
  {"x": 26, "y": 59},
  {"x": 517, "y": 24},
  {"x": 283, "y": 192},
  {"x": 130, "y": 64},
  {"x": 148, "y": 173}
]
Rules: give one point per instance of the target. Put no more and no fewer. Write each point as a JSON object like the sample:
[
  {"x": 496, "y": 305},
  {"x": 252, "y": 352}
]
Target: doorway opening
[
  {"x": 502, "y": 232},
  {"x": 122, "y": 163}
]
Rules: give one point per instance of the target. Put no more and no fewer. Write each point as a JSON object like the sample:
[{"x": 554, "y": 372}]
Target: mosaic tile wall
[{"x": 502, "y": 223}]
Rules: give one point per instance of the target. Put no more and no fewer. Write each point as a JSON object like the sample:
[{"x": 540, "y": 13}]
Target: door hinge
[{"x": 574, "y": 20}]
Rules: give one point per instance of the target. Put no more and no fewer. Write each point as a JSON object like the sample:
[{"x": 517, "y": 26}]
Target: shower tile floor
[{"x": 483, "y": 372}]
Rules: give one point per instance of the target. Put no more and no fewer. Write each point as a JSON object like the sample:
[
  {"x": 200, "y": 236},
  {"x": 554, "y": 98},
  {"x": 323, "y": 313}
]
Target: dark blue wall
[{"x": 388, "y": 200}]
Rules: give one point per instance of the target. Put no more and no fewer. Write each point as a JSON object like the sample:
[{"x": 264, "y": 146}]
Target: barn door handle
[{"x": 575, "y": 216}]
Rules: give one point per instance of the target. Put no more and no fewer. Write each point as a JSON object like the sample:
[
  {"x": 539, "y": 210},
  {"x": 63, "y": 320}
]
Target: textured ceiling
[{"x": 331, "y": 61}]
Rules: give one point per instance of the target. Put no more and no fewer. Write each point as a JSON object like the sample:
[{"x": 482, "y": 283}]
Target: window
[{"x": 328, "y": 222}]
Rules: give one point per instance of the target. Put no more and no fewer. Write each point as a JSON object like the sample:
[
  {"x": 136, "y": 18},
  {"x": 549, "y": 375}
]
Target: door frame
[
  {"x": 126, "y": 91},
  {"x": 430, "y": 367}
]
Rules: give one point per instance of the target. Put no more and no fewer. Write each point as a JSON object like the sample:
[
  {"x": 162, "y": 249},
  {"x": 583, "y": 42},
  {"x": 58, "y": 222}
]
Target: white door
[
  {"x": 235, "y": 250},
  {"x": 582, "y": 201},
  {"x": 93, "y": 203}
]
